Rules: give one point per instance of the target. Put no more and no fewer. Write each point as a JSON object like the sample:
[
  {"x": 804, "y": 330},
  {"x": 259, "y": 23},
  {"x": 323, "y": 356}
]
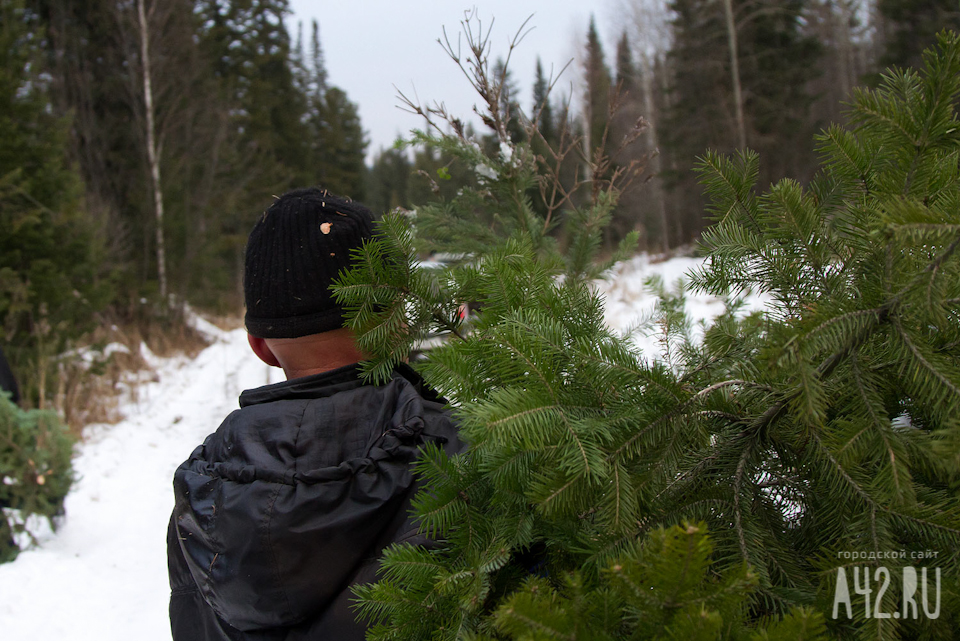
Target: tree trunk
[
  {"x": 646, "y": 78},
  {"x": 652, "y": 37},
  {"x": 735, "y": 73},
  {"x": 153, "y": 157}
]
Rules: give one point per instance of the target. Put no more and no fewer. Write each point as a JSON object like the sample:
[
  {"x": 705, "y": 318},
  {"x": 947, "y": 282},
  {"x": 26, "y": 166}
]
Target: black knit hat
[{"x": 295, "y": 251}]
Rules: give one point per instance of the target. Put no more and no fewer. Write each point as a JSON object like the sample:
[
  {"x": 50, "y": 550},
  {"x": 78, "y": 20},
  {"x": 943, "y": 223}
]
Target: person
[
  {"x": 8, "y": 382},
  {"x": 292, "y": 500}
]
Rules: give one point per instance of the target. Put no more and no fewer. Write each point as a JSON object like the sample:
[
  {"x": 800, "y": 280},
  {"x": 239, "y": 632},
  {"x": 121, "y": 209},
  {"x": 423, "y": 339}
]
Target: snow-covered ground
[{"x": 103, "y": 574}]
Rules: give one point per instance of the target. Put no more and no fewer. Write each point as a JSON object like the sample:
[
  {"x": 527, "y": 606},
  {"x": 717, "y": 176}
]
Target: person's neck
[
  {"x": 292, "y": 373},
  {"x": 315, "y": 353}
]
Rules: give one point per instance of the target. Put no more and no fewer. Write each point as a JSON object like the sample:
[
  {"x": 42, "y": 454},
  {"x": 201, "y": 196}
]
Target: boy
[{"x": 293, "y": 499}]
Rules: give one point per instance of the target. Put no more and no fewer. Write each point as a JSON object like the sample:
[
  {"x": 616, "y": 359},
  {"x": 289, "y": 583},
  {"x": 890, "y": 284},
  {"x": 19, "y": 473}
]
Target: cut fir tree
[{"x": 816, "y": 442}]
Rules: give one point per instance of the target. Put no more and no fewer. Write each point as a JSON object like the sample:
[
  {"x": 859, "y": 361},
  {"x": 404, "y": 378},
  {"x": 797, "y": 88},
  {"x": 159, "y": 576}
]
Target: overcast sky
[{"x": 372, "y": 45}]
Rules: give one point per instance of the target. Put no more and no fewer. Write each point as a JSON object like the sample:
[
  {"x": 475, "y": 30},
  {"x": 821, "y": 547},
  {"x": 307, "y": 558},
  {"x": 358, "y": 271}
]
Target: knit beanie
[{"x": 294, "y": 253}]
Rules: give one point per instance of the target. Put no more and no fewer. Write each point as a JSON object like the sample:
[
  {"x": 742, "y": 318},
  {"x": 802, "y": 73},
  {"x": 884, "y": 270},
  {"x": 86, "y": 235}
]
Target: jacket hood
[{"x": 279, "y": 507}]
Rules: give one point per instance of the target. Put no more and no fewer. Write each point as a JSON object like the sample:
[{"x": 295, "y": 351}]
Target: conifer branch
[
  {"x": 737, "y": 202},
  {"x": 733, "y": 418},
  {"x": 931, "y": 267},
  {"x": 922, "y": 361},
  {"x": 525, "y": 413},
  {"x": 875, "y": 312},
  {"x": 553, "y": 495},
  {"x": 447, "y": 325},
  {"x": 722, "y": 384},
  {"x": 520, "y": 353},
  {"x": 863, "y": 494},
  {"x": 696, "y": 471},
  {"x": 616, "y": 493},
  {"x": 641, "y": 433},
  {"x": 881, "y": 427},
  {"x": 638, "y": 372},
  {"x": 737, "y": 491},
  {"x": 833, "y": 135},
  {"x": 955, "y": 532}
]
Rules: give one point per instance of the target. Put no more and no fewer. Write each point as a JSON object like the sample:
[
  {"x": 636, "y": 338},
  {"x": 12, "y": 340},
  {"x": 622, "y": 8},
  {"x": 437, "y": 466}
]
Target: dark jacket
[{"x": 292, "y": 501}]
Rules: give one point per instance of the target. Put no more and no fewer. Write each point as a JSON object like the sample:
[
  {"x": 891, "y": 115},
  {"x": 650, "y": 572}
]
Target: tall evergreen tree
[
  {"x": 628, "y": 121},
  {"x": 318, "y": 63},
  {"x": 252, "y": 49},
  {"x": 91, "y": 80},
  {"x": 271, "y": 120},
  {"x": 776, "y": 61},
  {"x": 910, "y": 26},
  {"x": 597, "y": 96},
  {"x": 388, "y": 181},
  {"x": 335, "y": 136},
  {"x": 509, "y": 100},
  {"x": 50, "y": 283},
  {"x": 341, "y": 145},
  {"x": 626, "y": 72},
  {"x": 543, "y": 106}
]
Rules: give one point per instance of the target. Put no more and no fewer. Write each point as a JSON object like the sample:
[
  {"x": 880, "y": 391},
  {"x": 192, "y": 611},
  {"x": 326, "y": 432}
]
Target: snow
[
  {"x": 506, "y": 152},
  {"x": 102, "y": 575},
  {"x": 485, "y": 171},
  {"x": 629, "y": 302}
]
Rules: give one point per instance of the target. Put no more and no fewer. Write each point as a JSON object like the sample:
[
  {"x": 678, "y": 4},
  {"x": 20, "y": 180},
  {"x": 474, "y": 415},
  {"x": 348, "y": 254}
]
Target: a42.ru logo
[{"x": 920, "y": 592}]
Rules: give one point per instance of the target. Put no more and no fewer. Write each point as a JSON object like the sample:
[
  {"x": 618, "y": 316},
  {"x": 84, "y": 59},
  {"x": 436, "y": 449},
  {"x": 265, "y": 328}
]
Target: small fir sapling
[{"x": 35, "y": 471}]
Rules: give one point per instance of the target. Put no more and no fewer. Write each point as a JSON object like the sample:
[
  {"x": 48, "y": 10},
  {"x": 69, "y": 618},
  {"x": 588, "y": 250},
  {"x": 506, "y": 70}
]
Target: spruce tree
[
  {"x": 629, "y": 122},
  {"x": 820, "y": 430},
  {"x": 35, "y": 460},
  {"x": 598, "y": 86},
  {"x": 776, "y": 62},
  {"x": 48, "y": 278},
  {"x": 909, "y": 26},
  {"x": 626, "y": 72},
  {"x": 388, "y": 181},
  {"x": 336, "y": 143},
  {"x": 50, "y": 283},
  {"x": 340, "y": 145},
  {"x": 543, "y": 107}
]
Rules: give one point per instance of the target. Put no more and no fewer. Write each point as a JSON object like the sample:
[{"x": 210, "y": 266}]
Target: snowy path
[{"x": 103, "y": 575}]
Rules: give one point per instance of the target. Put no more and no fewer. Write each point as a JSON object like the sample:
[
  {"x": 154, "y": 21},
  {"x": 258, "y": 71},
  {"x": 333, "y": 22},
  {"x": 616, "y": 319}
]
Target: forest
[
  {"x": 806, "y": 148},
  {"x": 140, "y": 137}
]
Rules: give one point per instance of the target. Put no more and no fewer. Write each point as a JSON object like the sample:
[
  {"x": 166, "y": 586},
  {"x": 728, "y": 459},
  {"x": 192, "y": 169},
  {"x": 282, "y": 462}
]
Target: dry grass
[
  {"x": 95, "y": 377},
  {"x": 227, "y": 322}
]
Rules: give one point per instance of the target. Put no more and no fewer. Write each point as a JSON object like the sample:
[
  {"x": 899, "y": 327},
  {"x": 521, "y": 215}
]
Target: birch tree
[
  {"x": 153, "y": 153},
  {"x": 735, "y": 72}
]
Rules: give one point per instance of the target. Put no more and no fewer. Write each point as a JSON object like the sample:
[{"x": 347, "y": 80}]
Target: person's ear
[{"x": 262, "y": 350}]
